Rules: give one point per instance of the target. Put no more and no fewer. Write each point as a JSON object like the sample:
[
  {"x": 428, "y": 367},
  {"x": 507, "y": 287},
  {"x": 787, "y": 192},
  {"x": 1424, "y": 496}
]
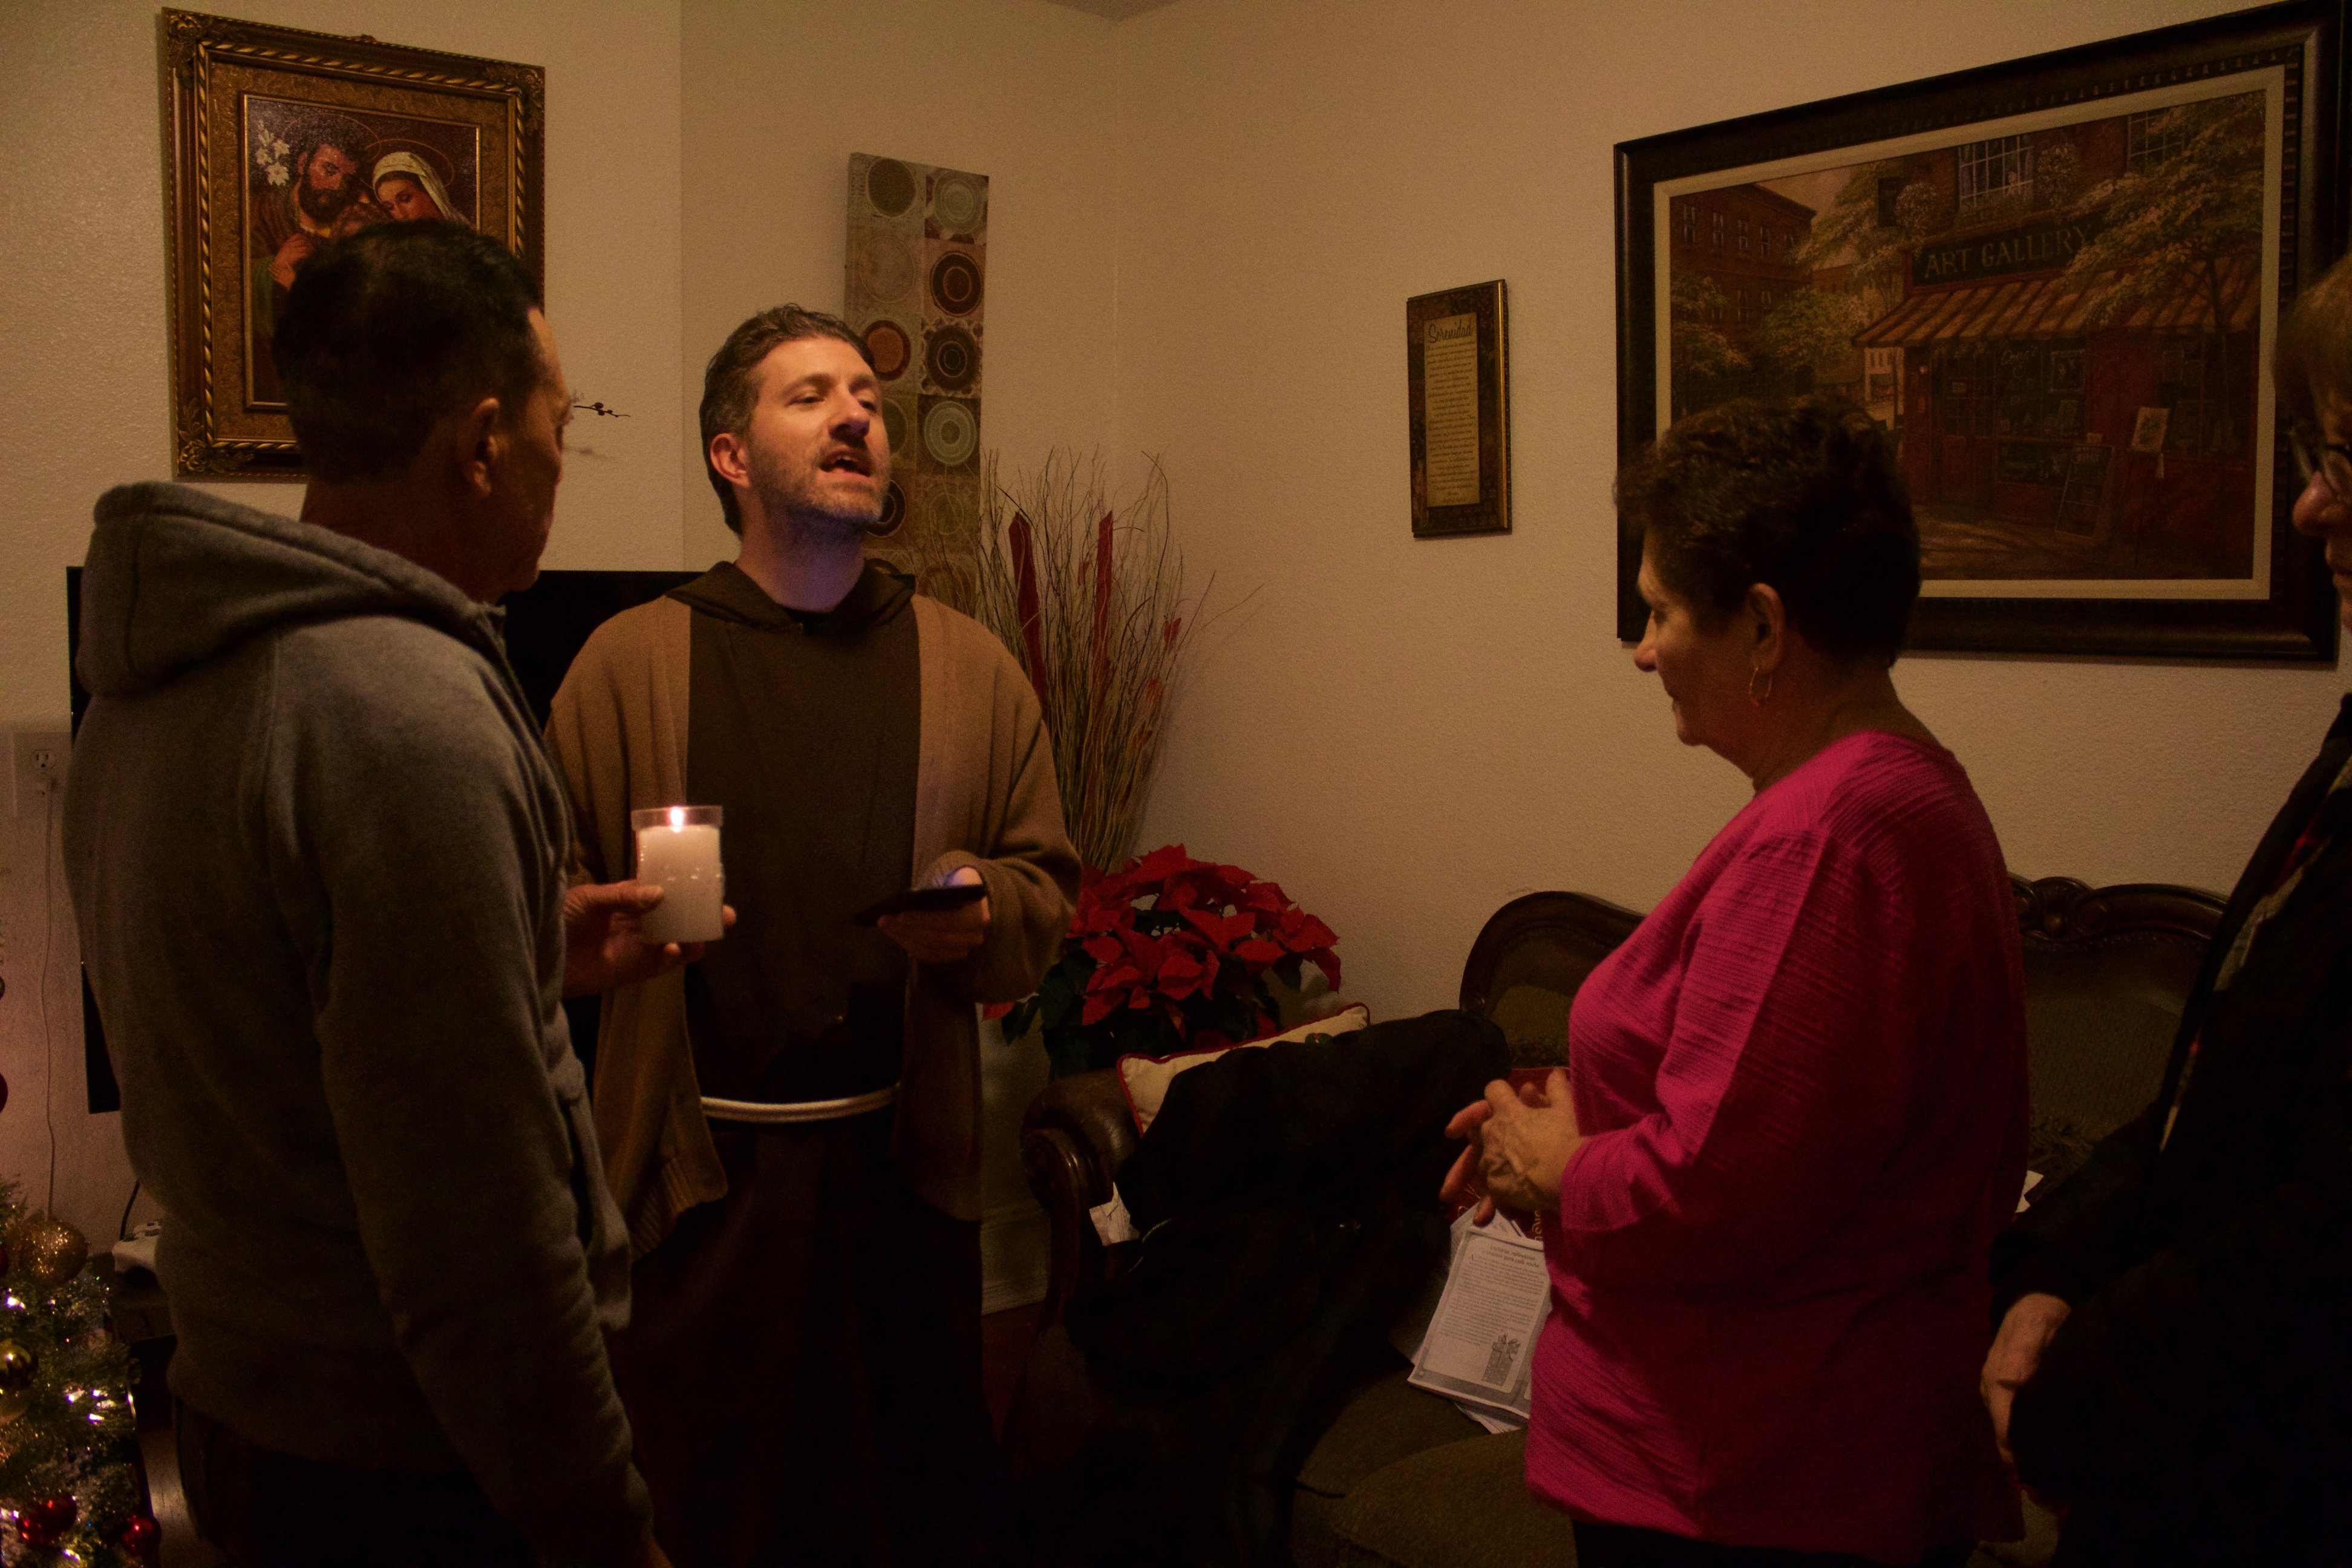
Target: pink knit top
[{"x": 1804, "y": 1082}]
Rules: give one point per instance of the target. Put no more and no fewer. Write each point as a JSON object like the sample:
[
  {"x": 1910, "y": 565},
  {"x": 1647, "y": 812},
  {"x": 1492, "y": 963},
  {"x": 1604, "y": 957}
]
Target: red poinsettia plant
[{"x": 1171, "y": 953}]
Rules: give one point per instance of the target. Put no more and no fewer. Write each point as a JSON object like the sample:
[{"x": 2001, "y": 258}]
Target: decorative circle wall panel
[
  {"x": 885, "y": 265},
  {"x": 955, "y": 283},
  {"x": 959, "y": 202},
  {"x": 913, "y": 279},
  {"x": 951, "y": 433},
  {"x": 895, "y": 422},
  {"x": 892, "y": 347},
  {"x": 952, "y": 360},
  {"x": 894, "y": 513},
  {"x": 890, "y": 187}
]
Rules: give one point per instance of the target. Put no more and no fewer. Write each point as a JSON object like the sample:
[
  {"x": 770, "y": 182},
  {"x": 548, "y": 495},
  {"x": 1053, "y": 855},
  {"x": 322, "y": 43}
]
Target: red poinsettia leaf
[
  {"x": 1300, "y": 931},
  {"x": 1112, "y": 978},
  {"x": 1143, "y": 949},
  {"x": 1168, "y": 860},
  {"x": 1222, "y": 930},
  {"x": 995, "y": 1010},
  {"x": 1104, "y": 948},
  {"x": 1324, "y": 959},
  {"x": 1264, "y": 896},
  {"x": 1183, "y": 975},
  {"x": 1097, "y": 1008},
  {"x": 1258, "y": 952}
]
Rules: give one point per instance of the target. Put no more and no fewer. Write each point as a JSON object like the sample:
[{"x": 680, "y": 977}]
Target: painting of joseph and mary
[{"x": 315, "y": 173}]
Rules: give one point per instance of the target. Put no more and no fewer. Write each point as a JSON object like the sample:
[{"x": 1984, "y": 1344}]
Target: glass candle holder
[{"x": 677, "y": 846}]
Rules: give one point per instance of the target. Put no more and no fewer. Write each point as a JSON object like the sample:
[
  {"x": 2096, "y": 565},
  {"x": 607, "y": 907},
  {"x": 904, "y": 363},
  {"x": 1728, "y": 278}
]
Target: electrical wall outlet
[{"x": 39, "y": 766}]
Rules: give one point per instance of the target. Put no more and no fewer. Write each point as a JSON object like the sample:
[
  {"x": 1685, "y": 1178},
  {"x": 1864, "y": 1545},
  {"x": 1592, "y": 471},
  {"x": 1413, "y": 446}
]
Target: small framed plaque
[{"x": 1457, "y": 379}]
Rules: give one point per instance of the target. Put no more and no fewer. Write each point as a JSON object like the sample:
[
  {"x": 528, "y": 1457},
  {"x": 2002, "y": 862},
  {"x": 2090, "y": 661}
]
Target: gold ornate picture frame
[{"x": 280, "y": 142}]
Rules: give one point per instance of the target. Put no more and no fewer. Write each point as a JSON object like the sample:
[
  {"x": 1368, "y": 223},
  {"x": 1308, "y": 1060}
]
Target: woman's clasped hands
[{"x": 1520, "y": 1141}]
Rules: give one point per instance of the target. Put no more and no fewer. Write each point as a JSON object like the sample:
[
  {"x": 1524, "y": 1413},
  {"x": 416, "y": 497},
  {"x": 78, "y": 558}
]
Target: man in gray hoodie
[{"x": 317, "y": 858}]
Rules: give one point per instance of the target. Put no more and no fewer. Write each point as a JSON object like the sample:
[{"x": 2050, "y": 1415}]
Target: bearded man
[
  {"x": 792, "y": 1125},
  {"x": 290, "y": 225}
]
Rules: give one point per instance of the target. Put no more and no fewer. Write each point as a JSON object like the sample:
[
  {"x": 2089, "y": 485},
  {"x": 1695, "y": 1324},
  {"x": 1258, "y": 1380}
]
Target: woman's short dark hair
[
  {"x": 388, "y": 330},
  {"x": 727, "y": 379},
  {"x": 1802, "y": 495},
  {"x": 2314, "y": 359}
]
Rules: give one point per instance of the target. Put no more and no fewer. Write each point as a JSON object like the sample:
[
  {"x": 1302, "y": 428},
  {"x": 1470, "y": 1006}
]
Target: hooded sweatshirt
[{"x": 317, "y": 856}]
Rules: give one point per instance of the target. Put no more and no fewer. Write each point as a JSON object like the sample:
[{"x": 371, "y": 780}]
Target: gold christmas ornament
[
  {"x": 49, "y": 1250},
  {"x": 17, "y": 1367}
]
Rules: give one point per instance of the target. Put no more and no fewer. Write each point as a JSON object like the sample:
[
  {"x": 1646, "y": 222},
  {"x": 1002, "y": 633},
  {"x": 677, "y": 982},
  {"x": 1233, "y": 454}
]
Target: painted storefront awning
[{"x": 2061, "y": 307}]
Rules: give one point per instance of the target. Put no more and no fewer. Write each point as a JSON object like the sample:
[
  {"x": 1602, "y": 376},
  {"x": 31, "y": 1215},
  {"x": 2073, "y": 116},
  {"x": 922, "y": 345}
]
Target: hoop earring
[{"x": 1752, "y": 695}]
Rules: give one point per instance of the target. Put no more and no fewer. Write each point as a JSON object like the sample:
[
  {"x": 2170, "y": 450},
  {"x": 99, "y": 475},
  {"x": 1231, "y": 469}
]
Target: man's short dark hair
[
  {"x": 386, "y": 332},
  {"x": 727, "y": 390},
  {"x": 1803, "y": 495}
]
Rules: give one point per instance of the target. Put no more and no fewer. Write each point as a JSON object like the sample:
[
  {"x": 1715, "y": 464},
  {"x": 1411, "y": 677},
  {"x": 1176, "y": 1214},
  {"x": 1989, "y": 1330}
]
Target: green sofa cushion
[
  {"x": 1463, "y": 1505},
  {"x": 1389, "y": 1420}
]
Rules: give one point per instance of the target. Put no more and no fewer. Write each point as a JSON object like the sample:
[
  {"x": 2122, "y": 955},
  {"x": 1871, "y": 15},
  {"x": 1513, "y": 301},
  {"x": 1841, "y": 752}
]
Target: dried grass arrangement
[{"x": 1091, "y": 601}]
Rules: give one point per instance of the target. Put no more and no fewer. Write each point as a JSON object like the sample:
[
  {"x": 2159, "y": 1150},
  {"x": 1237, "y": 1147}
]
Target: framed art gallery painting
[
  {"x": 280, "y": 142},
  {"x": 2056, "y": 284}
]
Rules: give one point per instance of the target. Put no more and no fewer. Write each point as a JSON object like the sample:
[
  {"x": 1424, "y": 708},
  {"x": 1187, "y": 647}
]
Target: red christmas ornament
[
  {"x": 140, "y": 1533},
  {"x": 45, "y": 1522}
]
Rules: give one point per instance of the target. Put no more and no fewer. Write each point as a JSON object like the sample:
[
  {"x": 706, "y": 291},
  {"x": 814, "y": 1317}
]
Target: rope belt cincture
[{"x": 764, "y": 1113}]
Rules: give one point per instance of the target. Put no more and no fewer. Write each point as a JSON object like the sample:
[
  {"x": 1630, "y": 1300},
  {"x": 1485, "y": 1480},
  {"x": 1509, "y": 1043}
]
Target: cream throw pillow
[{"x": 1145, "y": 1079}]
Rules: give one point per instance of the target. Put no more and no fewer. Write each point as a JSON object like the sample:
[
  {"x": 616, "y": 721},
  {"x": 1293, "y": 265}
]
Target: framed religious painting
[
  {"x": 2055, "y": 283},
  {"x": 280, "y": 142}
]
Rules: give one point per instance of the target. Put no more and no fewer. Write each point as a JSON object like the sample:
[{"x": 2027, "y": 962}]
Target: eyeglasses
[{"x": 2332, "y": 460}]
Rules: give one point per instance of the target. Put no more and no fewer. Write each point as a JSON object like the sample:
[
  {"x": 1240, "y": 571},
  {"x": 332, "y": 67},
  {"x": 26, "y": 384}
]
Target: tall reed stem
[{"x": 1090, "y": 602}]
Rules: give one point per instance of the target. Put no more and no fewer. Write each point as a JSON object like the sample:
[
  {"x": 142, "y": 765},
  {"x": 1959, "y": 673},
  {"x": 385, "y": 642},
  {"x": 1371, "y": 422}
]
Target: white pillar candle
[{"x": 677, "y": 846}]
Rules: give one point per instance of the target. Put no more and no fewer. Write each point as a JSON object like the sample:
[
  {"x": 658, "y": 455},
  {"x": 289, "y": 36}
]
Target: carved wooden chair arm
[{"x": 1076, "y": 1135}]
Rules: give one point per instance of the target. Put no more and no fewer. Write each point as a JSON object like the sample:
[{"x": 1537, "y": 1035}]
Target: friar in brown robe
[{"x": 791, "y": 1124}]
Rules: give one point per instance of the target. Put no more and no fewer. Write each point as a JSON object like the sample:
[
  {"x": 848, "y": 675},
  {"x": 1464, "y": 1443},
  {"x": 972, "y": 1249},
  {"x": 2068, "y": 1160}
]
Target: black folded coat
[{"x": 1288, "y": 1197}]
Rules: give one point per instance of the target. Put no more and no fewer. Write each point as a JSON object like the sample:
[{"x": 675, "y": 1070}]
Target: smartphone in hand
[{"x": 954, "y": 896}]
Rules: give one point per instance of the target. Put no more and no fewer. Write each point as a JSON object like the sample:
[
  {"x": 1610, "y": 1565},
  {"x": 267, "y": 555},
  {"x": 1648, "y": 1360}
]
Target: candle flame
[{"x": 678, "y": 816}]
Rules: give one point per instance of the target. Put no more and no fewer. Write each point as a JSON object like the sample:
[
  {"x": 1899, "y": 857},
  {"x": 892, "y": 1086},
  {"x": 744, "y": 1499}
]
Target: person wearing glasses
[{"x": 2173, "y": 1368}]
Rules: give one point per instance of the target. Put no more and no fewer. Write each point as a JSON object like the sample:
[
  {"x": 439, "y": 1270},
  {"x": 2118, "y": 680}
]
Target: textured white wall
[
  {"x": 1405, "y": 733},
  {"x": 84, "y": 401},
  {"x": 1020, "y": 90}
]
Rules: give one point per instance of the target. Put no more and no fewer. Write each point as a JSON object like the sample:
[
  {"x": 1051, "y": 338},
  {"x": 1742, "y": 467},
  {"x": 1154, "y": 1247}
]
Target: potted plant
[{"x": 1171, "y": 953}]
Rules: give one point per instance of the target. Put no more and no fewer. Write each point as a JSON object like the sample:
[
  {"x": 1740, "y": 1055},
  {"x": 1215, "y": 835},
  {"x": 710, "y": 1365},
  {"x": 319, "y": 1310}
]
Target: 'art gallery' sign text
[{"x": 2040, "y": 248}]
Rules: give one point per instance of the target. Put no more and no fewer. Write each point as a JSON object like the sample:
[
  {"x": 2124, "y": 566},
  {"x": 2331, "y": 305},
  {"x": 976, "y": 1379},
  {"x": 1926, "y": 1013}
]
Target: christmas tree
[{"x": 70, "y": 1493}]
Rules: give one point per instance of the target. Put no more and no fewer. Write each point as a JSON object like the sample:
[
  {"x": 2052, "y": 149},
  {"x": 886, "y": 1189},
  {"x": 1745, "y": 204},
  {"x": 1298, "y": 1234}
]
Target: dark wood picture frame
[
  {"x": 1483, "y": 309},
  {"x": 470, "y": 132},
  {"x": 2303, "y": 40}
]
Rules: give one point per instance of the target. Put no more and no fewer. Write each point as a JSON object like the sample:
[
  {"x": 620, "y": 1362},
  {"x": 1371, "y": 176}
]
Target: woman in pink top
[{"x": 1795, "y": 1112}]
